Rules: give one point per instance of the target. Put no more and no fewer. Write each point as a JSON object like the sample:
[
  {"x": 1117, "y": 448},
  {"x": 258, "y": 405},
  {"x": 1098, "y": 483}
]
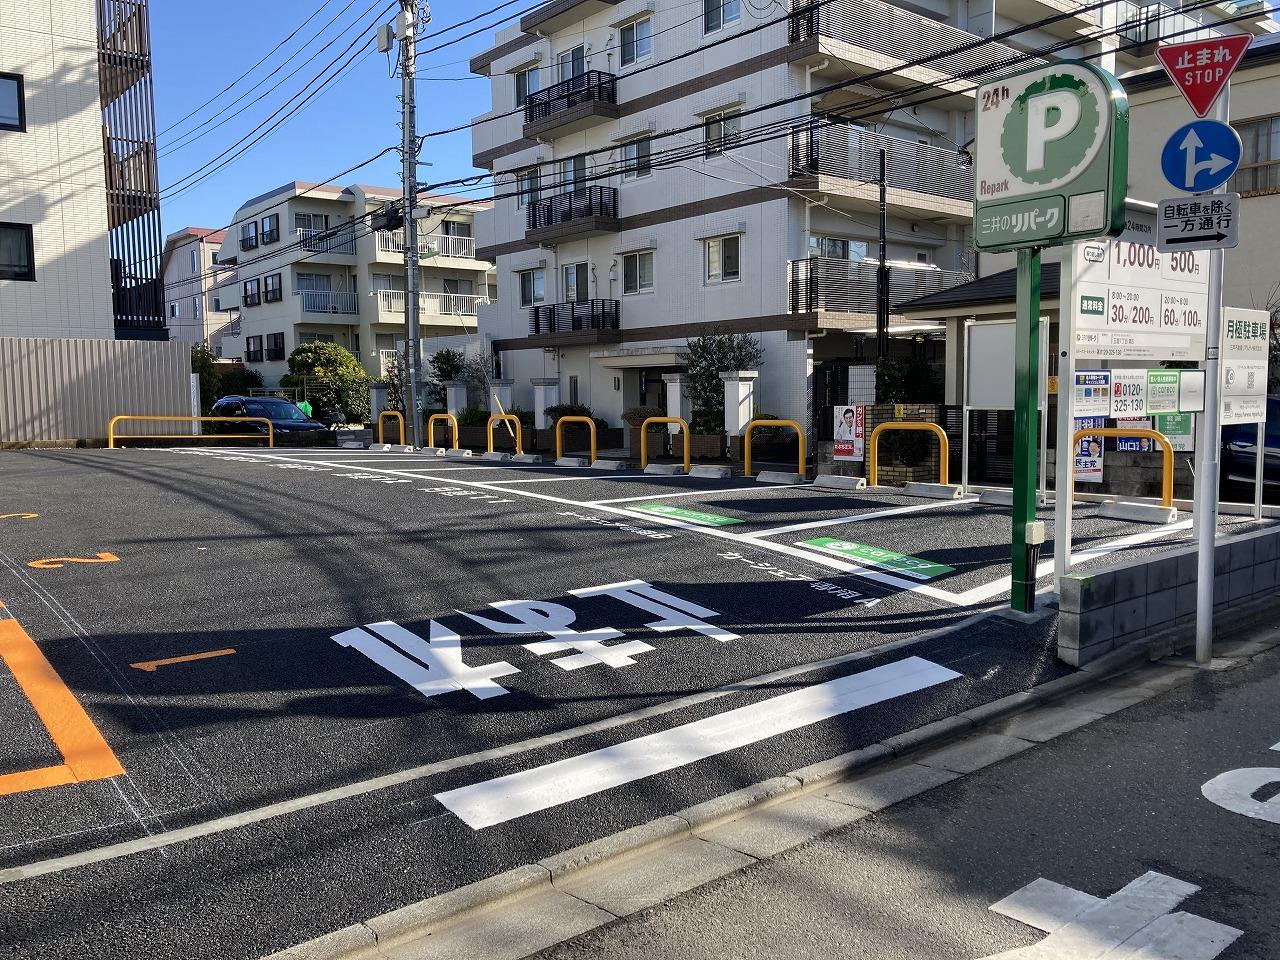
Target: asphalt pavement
[{"x": 251, "y": 696}]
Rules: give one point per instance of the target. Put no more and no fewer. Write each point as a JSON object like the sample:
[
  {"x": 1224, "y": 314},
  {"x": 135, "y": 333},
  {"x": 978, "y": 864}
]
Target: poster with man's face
[
  {"x": 1089, "y": 453},
  {"x": 850, "y": 432}
]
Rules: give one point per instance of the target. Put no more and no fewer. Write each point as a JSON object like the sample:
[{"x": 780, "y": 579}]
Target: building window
[
  {"x": 526, "y": 187},
  {"x": 637, "y": 41},
  {"x": 173, "y": 310},
  {"x": 195, "y": 307},
  {"x": 531, "y": 282},
  {"x": 573, "y": 388},
  {"x": 195, "y": 262},
  {"x": 272, "y": 288},
  {"x": 252, "y": 294},
  {"x": 275, "y": 346},
  {"x": 310, "y": 221},
  {"x": 571, "y": 63},
  {"x": 527, "y": 82},
  {"x": 213, "y": 258},
  {"x": 722, "y": 259},
  {"x": 249, "y": 235},
  {"x": 837, "y": 248},
  {"x": 17, "y": 252},
  {"x": 217, "y": 304},
  {"x": 315, "y": 338},
  {"x": 635, "y": 159},
  {"x": 717, "y": 13},
  {"x": 13, "y": 108},
  {"x": 1259, "y": 171},
  {"x": 271, "y": 228},
  {"x": 252, "y": 349},
  {"x": 722, "y": 131},
  {"x": 637, "y": 272}
]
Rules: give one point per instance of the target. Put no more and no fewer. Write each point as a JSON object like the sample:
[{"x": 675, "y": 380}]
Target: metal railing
[
  {"x": 1147, "y": 23},
  {"x": 432, "y": 245},
  {"x": 841, "y": 150},
  {"x": 844, "y": 286},
  {"x": 388, "y": 360},
  {"x": 593, "y": 201},
  {"x": 329, "y": 301},
  {"x": 329, "y": 240},
  {"x": 446, "y": 304},
  {"x": 579, "y": 315},
  {"x": 594, "y": 86},
  {"x": 901, "y": 34}
]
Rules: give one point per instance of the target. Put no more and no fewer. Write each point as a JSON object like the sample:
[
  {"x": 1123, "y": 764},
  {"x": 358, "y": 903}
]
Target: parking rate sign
[{"x": 1052, "y": 157}]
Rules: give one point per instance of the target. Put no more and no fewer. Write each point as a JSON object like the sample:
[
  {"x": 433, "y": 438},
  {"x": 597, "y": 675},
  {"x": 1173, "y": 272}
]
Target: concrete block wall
[{"x": 1100, "y": 611}]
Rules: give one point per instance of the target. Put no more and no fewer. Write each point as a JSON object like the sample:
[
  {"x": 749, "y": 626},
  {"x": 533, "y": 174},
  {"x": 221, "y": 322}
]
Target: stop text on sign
[{"x": 434, "y": 665}]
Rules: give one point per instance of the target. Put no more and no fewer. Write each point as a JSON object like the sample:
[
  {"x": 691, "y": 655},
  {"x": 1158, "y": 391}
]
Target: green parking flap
[
  {"x": 693, "y": 516},
  {"x": 913, "y": 567}
]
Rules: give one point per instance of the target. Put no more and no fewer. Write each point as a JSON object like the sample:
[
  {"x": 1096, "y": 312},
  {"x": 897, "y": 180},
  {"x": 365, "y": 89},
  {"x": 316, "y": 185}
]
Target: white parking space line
[
  {"x": 529, "y": 791},
  {"x": 684, "y": 493},
  {"x": 856, "y": 517}
]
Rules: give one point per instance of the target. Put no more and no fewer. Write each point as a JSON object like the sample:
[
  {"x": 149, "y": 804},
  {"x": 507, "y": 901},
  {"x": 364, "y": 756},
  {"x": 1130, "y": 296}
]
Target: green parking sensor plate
[
  {"x": 913, "y": 567},
  {"x": 693, "y": 516}
]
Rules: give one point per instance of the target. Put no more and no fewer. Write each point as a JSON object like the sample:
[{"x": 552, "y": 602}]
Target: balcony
[
  {"x": 339, "y": 240},
  {"x": 430, "y": 246},
  {"x": 329, "y": 301},
  {"x": 822, "y": 285},
  {"x": 572, "y": 105},
  {"x": 442, "y": 304},
  {"x": 577, "y": 322},
  {"x": 885, "y": 37},
  {"x": 843, "y": 162},
  {"x": 577, "y": 213}
]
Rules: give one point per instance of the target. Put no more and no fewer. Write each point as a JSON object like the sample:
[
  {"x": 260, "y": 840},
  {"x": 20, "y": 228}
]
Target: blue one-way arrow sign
[{"x": 1201, "y": 156}]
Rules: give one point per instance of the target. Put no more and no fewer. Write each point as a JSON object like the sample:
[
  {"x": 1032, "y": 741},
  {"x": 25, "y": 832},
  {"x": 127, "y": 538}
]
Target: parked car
[
  {"x": 1240, "y": 458},
  {"x": 290, "y": 425}
]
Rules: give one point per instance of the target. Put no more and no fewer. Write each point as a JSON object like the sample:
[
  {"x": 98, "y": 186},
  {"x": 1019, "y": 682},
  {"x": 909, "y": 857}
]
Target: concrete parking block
[
  {"x": 879, "y": 790},
  {"x": 572, "y": 462},
  {"x": 778, "y": 476},
  {"x": 665, "y": 469},
  {"x": 497, "y": 455},
  {"x": 527, "y": 458},
  {"x": 974, "y": 753},
  {"x": 996, "y": 498},
  {"x": 934, "y": 491},
  {"x": 1137, "y": 512},
  {"x": 770, "y": 831},
  {"x": 646, "y": 879},
  {"x": 609, "y": 465},
  {"x": 458, "y": 454},
  {"x": 711, "y": 472},
  {"x": 834, "y": 481},
  {"x": 1046, "y": 723}
]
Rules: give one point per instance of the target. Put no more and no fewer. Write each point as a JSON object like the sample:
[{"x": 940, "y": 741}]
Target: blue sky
[{"x": 199, "y": 49}]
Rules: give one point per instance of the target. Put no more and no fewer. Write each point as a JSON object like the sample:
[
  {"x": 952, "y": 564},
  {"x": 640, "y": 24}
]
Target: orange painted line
[
  {"x": 56, "y": 563},
  {"x": 150, "y": 665},
  {"x": 20, "y": 516},
  {"x": 86, "y": 755}
]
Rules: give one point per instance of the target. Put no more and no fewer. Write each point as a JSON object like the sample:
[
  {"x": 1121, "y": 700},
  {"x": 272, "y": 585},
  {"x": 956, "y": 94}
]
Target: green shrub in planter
[
  {"x": 473, "y": 417},
  {"x": 638, "y": 415}
]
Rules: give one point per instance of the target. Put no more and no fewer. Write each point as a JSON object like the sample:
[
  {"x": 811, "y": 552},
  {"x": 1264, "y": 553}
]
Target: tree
[
  {"x": 708, "y": 357},
  {"x": 332, "y": 378},
  {"x": 446, "y": 367},
  {"x": 907, "y": 380}
]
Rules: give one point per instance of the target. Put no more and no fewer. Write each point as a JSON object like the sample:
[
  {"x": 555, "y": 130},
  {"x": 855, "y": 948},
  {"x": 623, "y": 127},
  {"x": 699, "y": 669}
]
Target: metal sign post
[{"x": 1052, "y": 149}]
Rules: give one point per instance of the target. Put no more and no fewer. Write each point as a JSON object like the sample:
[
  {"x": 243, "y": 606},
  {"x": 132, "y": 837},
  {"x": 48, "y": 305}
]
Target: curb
[{"x": 458, "y": 911}]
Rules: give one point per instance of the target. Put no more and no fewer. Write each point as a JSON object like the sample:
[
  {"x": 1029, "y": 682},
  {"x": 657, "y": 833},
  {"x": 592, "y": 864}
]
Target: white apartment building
[
  {"x": 308, "y": 267},
  {"x": 192, "y": 277},
  {"x": 607, "y": 264},
  {"x": 79, "y": 207}
]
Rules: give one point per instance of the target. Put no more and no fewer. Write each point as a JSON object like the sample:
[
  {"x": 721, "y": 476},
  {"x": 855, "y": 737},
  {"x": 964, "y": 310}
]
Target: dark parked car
[
  {"x": 1240, "y": 458},
  {"x": 290, "y": 425}
]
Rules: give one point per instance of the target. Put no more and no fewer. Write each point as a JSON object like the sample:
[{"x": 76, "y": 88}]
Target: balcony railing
[
  {"x": 1147, "y": 23},
  {"x": 329, "y": 301},
  {"x": 843, "y": 286},
  {"x": 841, "y": 150},
  {"x": 432, "y": 245},
  {"x": 903, "y": 35},
  {"x": 328, "y": 240},
  {"x": 580, "y": 204},
  {"x": 444, "y": 304},
  {"x": 578, "y": 315},
  {"x": 389, "y": 360},
  {"x": 594, "y": 86}
]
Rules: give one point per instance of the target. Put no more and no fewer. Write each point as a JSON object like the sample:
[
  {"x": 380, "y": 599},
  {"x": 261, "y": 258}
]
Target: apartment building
[
  {"x": 193, "y": 277},
  {"x": 308, "y": 267},
  {"x": 766, "y": 221},
  {"x": 79, "y": 198}
]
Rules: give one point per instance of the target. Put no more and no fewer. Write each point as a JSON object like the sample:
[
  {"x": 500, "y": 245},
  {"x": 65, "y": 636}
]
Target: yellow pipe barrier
[
  {"x": 506, "y": 418},
  {"x": 591, "y": 425},
  {"x": 112, "y": 436},
  {"x": 1155, "y": 436},
  {"x": 746, "y": 443},
  {"x": 644, "y": 440},
  {"x": 391, "y": 413},
  {"x": 431, "y": 427},
  {"x": 873, "y": 458}
]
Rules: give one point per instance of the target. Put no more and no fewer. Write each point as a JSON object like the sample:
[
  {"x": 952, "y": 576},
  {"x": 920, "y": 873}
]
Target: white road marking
[
  {"x": 597, "y": 476},
  {"x": 857, "y": 517},
  {"x": 1234, "y": 791},
  {"x": 519, "y": 794},
  {"x": 683, "y": 493},
  {"x": 1132, "y": 924}
]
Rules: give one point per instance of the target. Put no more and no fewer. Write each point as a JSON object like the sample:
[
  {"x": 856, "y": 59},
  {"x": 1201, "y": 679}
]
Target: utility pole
[
  {"x": 882, "y": 272},
  {"x": 407, "y": 30}
]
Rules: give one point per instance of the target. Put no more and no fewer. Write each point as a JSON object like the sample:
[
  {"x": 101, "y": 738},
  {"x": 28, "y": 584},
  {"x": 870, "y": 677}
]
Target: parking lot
[{"x": 224, "y": 670}]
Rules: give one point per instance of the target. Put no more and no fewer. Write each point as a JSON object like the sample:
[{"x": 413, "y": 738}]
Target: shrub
[
  {"x": 638, "y": 415},
  {"x": 767, "y": 431},
  {"x": 709, "y": 357},
  {"x": 333, "y": 379},
  {"x": 473, "y": 417},
  {"x": 558, "y": 410}
]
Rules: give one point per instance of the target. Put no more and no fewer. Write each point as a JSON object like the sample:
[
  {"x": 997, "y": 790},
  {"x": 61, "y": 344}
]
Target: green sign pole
[{"x": 1025, "y": 423}]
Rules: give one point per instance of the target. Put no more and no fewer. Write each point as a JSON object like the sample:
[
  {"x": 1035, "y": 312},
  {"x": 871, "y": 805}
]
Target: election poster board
[
  {"x": 850, "y": 432},
  {"x": 1134, "y": 444},
  {"x": 1090, "y": 451}
]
